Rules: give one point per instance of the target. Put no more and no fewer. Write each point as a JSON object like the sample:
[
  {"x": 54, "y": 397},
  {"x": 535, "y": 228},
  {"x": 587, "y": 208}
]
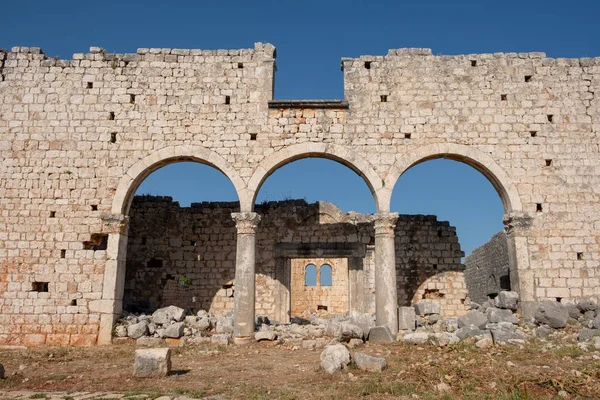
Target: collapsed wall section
[
  {"x": 487, "y": 269},
  {"x": 185, "y": 256}
]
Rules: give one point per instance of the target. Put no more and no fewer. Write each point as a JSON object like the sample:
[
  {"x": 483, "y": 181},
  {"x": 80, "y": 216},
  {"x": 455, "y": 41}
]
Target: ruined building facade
[{"x": 78, "y": 136}]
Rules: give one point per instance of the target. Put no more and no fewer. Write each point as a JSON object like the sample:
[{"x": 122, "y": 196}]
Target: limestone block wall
[
  {"x": 185, "y": 256},
  {"x": 487, "y": 269},
  {"x": 78, "y": 136}
]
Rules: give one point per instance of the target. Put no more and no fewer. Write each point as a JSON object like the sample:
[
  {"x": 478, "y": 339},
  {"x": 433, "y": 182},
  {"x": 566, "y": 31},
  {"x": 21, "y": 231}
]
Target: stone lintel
[{"x": 341, "y": 104}]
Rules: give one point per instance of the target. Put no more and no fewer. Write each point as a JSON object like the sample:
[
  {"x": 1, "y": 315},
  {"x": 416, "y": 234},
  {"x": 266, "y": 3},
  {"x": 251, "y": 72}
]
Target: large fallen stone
[
  {"x": 426, "y": 307},
  {"x": 120, "y": 331},
  {"x": 138, "y": 330},
  {"x": 202, "y": 324},
  {"x": 587, "y": 334},
  {"x": 365, "y": 321},
  {"x": 469, "y": 331},
  {"x": 151, "y": 363},
  {"x": 407, "y": 318},
  {"x": 573, "y": 310},
  {"x": 265, "y": 335},
  {"x": 224, "y": 325},
  {"x": 174, "y": 330},
  {"x": 443, "y": 339},
  {"x": 335, "y": 358},
  {"x": 496, "y": 315},
  {"x": 381, "y": 334},
  {"x": 165, "y": 315},
  {"x": 473, "y": 318},
  {"x": 221, "y": 339},
  {"x": 416, "y": 338},
  {"x": 350, "y": 331},
  {"x": 596, "y": 322},
  {"x": 552, "y": 313},
  {"x": 504, "y": 336},
  {"x": 369, "y": 363},
  {"x": 507, "y": 300},
  {"x": 587, "y": 305}
]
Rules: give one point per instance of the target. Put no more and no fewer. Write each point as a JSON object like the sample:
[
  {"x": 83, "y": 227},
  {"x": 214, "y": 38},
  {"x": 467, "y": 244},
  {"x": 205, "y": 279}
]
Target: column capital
[
  {"x": 385, "y": 223},
  {"x": 516, "y": 221},
  {"x": 246, "y": 222},
  {"x": 114, "y": 223}
]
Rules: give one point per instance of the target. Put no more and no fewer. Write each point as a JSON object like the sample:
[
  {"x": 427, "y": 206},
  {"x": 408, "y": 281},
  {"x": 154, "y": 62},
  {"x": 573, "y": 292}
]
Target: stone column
[
  {"x": 245, "y": 259},
  {"x": 386, "y": 297},
  {"x": 516, "y": 226}
]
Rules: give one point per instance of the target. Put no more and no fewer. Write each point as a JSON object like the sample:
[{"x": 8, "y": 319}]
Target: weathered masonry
[
  {"x": 78, "y": 136},
  {"x": 185, "y": 256}
]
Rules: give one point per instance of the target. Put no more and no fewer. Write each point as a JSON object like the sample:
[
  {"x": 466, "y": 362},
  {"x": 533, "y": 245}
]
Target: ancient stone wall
[
  {"x": 78, "y": 136},
  {"x": 185, "y": 256},
  {"x": 487, "y": 269}
]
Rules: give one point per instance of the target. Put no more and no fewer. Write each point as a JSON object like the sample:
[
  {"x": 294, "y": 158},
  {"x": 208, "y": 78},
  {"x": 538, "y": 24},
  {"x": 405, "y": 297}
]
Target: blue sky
[{"x": 311, "y": 37}]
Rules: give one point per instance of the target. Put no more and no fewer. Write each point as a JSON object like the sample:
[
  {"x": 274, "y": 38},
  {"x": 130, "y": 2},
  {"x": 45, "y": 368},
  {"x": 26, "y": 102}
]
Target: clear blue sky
[{"x": 311, "y": 38}]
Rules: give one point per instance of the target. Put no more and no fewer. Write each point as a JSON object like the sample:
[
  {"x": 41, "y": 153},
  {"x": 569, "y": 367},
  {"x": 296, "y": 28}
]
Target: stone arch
[
  {"x": 344, "y": 155},
  {"x": 110, "y": 306},
  {"x": 168, "y": 155},
  {"x": 469, "y": 155}
]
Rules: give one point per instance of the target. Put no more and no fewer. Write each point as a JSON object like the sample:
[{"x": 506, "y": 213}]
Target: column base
[{"x": 243, "y": 340}]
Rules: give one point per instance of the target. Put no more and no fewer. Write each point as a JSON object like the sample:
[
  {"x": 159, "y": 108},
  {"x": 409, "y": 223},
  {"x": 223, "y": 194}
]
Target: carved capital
[
  {"x": 385, "y": 223},
  {"x": 516, "y": 221},
  {"x": 114, "y": 223},
  {"x": 246, "y": 222}
]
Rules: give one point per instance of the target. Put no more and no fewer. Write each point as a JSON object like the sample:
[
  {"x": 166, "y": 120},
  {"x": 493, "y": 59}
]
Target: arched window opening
[
  {"x": 325, "y": 275},
  {"x": 310, "y": 275}
]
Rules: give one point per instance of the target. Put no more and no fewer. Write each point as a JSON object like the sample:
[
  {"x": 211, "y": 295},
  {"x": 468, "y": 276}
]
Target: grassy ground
[{"x": 538, "y": 370}]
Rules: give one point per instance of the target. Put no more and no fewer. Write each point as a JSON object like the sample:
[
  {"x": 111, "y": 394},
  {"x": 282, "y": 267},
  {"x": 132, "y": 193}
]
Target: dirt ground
[{"x": 267, "y": 371}]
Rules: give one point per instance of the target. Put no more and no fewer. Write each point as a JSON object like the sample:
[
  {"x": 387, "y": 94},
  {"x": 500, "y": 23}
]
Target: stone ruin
[{"x": 78, "y": 136}]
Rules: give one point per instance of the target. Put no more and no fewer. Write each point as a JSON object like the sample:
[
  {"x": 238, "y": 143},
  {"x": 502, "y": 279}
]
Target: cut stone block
[
  {"x": 407, "y": 318},
  {"x": 426, "y": 307},
  {"x": 552, "y": 313},
  {"x": 335, "y": 358},
  {"x": 381, "y": 334},
  {"x": 369, "y": 363},
  {"x": 507, "y": 300},
  {"x": 151, "y": 363},
  {"x": 165, "y": 315},
  {"x": 473, "y": 318},
  {"x": 265, "y": 335}
]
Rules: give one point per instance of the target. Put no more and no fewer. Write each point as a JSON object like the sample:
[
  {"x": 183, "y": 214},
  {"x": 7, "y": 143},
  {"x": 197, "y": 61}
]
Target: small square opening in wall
[
  {"x": 240, "y": 65},
  {"x": 193, "y": 243},
  {"x": 63, "y": 253},
  {"x": 144, "y": 241},
  {"x": 52, "y": 214},
  {"x": 503, "y": 97},
  {"x": 253, "y": 136},
  {"x": 113, "y": 137},
  {"x": 528, "y": 78},
  {"x": 407, "y": 136},
  {"x": 227, "y": 99},
  {"x": 132, "y": 98},
  {"x": 383, "y": 98},
  {"x": 548, "y": 163},
  {"x": 74, "y": 302},
  {"x": 90, "y": 85},
  {"x": 39, "y": 286},
  {"x": 94, "y": 207},
  {"x": 367, "y": 64},
  {"x": 321, "y": 307},
  {"x": 111, "y": 116},
  {"x": 473, "y": 63},
  {"x": 550, "y": 118},
  {"x": 559, "y": 299},
  {"x": 533, "y": 133},
  {"x": 579, "y": 256},
  {"x": 434, "y": 266},
  {"x": 538, "y": 207}
]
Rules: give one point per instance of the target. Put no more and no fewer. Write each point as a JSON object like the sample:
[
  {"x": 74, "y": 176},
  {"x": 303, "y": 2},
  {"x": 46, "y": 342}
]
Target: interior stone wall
[
  {"x": 487, "y": 269},
  {"x": 196, "y": 247}
]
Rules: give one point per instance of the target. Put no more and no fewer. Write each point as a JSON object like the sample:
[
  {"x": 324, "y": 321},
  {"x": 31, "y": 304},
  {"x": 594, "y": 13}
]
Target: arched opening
[
  {"x": 171, "y": 250},
  {"x": 310, "y": 278},
  {"x": 308, "y": 205},
  {"x": 451, "y": 206},
  {"x": 325, "y": 276}
]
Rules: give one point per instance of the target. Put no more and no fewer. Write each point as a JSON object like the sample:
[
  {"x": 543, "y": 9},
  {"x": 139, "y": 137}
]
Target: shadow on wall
[{"x": 185, "y": 256}]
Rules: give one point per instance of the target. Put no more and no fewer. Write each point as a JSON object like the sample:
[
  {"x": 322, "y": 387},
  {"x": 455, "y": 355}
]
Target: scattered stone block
[
  {"x": 174, "y": 330},
  {"x": 147, "y": 341},
  {"x": 138, "y": 330},
  {"x": 443, "y": 339},
  {"x": 495, "y": 315},
  {"x": 152, "y": 363},
  {"x": 120, "y": 331},
  {"x": 265, "y": 335},
  {"x": 587, "y": 334},
  {"x": 596, "y": 322},
  {"x": 473, "y": 318},
  {"x": 365, "y": 321},
  {"x": 381, "y": 334},
  {"x": 165, "y": 315},
  {"x": 407, "y": 318},
  {"x": 224, "y": 325},
  {"x": 350, "y": 331},
  {"x": 335, "y": 358},
  {"x": 504, "y": 336},
  {"x": 544, "y": 331},
  {"x": 469, "y": 331},
  {"x": 416, "y": 338},
  {"x": 451, "y": 324},
  {"x": 507, "y": 300},
  {"x": 587, "y": 305},
  {"x": 222, "y": 339},
  {"x": 355, "y": 342},
  {"x": 484, "y": 343},
  {"x": 369, "y": 363},
  {"x": 574, "y": 311},
  {"x": 552, "y": 313},
  {"x": 426, "y": 307}
]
